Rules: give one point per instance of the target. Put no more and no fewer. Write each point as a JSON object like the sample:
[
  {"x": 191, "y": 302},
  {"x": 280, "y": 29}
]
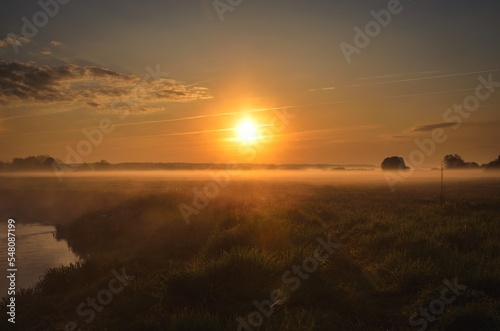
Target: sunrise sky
[{"x": 176, "y": 81}]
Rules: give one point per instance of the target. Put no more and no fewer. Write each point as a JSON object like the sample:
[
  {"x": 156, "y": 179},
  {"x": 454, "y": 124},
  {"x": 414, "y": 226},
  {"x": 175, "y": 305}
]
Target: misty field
[{"x": 329, "y": 251}]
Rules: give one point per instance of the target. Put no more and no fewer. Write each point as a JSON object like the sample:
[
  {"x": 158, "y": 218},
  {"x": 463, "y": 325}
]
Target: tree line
[
  {"x": 44, "y": 163},
  {"x": 450, "y": 161}
]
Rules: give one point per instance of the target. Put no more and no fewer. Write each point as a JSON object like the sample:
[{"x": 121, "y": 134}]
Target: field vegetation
[{"x": 394, "y": 252}]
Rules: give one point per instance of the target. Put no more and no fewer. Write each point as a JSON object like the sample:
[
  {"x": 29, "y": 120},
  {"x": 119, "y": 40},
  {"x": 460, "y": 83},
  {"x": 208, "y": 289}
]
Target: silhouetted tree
[
  {"x": 32, "y": 162},
  {"x": 394, "y": 163},
  {"x": 102, "y": 165},
  {"x": 84, "y": 167},
  {"x": 454, "y": 161},
  {"x": 494, "y": 165},
  {"x": 18, "y": 163},
  {"x": 47, "y": 162},
  {"x": 471, "y": 165}
]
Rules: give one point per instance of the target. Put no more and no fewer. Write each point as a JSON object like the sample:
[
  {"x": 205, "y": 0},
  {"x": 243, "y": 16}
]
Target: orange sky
[{"x": 174, "y": 81}]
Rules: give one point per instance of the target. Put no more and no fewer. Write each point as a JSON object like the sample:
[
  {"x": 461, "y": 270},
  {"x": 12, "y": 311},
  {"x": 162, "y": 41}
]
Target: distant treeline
[
  {"x": 455, "y": 161},
  {"x": 450, "y": 161},
  {"x": 48, "y": 163},
  {"x": 39, "y": 162}
]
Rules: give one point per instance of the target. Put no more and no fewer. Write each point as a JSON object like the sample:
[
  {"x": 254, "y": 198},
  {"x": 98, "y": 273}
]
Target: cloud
[
  {"x": 55, "y": 43},
  {"x": 430, "y": 127},
  {"x": 321, "y": 89},
  {"x": 14, "y": 40},
  {"x": 395, "y": 138},
  {"x": 413, "y": 79},
  {"x": 410, "y": 134},
  {"x": 428, "y": 94},
  {"x": 398, "y": 75},
  {"x": 100, "y": 89}
]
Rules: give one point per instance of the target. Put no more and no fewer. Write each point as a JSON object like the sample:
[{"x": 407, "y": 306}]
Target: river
[{"x": 37, "y": 250}]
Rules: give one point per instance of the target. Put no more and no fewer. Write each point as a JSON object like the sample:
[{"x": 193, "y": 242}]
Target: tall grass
[{"x": 395, "y": 251}]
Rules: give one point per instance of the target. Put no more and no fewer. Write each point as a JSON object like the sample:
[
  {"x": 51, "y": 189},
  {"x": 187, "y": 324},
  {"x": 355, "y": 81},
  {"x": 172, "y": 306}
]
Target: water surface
[{"x": 36, "y": 251}]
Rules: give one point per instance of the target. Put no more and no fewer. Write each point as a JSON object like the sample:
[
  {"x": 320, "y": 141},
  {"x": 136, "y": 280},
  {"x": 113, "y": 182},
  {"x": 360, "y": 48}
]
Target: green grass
[{"x": 395, "y": 251}]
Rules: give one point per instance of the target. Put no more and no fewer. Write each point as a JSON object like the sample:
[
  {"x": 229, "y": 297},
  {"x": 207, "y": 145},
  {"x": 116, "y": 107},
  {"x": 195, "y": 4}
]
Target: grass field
[{"x": 267, "y": 254}]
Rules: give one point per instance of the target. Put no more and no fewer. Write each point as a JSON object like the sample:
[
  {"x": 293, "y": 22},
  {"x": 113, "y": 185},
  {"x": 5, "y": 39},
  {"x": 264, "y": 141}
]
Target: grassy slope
[{"x": 396, "y": 249}]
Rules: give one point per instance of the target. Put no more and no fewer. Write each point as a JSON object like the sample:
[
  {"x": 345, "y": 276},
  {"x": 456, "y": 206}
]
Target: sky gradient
[{"x": 174, "y": 80}]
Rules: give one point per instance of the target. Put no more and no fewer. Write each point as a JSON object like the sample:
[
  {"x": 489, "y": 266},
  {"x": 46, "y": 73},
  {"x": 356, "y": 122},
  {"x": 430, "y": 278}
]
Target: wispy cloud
[
  {"x": 413, "y": 79},
  {"x": 99, "y": 88},
  {"x": 429, "y": 94},
  {"x": 46, "y": 51},
  {"x": 379, "y": 77},
  {"x": 322, "y": 89},
  {"x": 5, "y": 119},
  {"x": 395, "y": 138},
  {"x": 430, "y": 127},
  {"x": 18, "y": 42}
]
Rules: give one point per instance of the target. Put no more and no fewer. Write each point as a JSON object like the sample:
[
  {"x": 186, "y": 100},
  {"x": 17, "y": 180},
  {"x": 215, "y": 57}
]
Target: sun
[{"x": 247, "y": 131}]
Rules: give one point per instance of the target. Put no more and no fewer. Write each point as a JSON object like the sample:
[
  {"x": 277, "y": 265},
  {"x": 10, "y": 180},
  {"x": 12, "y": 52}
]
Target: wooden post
[{"x": 443, "y": 189}]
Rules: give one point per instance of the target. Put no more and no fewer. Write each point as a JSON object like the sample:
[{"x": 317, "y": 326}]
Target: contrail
[
  {"x": 187, "y": 118},
  {"x": 426, "y": 78},
  {"x": 30, "y": 115},
  {"x": 427, "y": 94}
]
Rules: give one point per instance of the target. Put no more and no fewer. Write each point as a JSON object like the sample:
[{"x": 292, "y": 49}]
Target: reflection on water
[{"x": 36, "y": 251}]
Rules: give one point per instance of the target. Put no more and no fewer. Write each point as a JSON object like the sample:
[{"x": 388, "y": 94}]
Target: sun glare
[{"x": 247, "y": 132}]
